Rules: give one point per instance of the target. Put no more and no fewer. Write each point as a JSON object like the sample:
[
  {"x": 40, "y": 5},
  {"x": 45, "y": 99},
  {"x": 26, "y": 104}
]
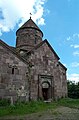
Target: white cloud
[
  {"x": 75, "y": 64},
  {"x": 69, "y": 38},
  {"x": 75, "y": 46},
  {"x": 71, "y": 45},
  {"x": 74, "y": 36},
  {"x": 73, "y": 77},
  {"x": 14, "y": 12},
  {"x": 76, "y": 53}
]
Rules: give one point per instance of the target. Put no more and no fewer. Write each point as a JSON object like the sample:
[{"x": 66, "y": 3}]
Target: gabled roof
[
  {"x": 40, "y": 44},
  {"x": 30, "y": 24},
  {"x": 62, "y": 65},
  {"x": 12, "y": 50}
]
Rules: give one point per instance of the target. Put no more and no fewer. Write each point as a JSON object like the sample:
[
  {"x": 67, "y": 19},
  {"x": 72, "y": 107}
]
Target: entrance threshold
[{"x": 48, "y": 101}]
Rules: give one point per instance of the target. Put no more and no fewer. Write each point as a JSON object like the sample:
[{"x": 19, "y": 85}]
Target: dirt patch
[{"x": 60, "y": 113}]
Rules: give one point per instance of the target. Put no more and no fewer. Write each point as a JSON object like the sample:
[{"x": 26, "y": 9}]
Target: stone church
[{"x": 31, "y": 70}]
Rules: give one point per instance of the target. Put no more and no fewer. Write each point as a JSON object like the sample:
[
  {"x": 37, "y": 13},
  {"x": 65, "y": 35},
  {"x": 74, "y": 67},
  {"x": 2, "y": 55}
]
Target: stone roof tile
[{"x": 30, "y": 24}]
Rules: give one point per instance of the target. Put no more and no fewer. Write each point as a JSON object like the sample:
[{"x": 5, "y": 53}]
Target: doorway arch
[
  {"x": 45, "y": 90},
  {"x": 45, "y": 86}
]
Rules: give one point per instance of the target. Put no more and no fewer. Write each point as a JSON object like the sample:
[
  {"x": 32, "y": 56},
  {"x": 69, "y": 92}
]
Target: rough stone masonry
[{"x": 31, "y": 70}]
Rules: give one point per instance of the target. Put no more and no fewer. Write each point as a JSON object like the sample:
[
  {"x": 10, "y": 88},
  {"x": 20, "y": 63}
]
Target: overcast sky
[{"x": 59, "y": 21}]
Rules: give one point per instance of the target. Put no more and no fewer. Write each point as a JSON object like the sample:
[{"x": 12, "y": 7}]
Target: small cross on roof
[{"x": 30, "y": 15}]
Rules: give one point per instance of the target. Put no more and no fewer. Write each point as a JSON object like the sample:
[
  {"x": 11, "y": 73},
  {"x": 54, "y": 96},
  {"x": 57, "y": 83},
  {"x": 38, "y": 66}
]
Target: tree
[{"x": 73, "y": 89}]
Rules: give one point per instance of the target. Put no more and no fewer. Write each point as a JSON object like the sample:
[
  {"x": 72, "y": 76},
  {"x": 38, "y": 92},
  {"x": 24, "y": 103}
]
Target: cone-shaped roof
[{"x": 30, "y": 24}]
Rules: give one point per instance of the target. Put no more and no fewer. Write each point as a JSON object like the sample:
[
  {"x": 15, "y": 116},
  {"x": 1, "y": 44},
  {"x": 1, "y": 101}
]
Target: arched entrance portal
[
  {"x": 45, "y": 90},
  {"x": 45, "y": 87}
]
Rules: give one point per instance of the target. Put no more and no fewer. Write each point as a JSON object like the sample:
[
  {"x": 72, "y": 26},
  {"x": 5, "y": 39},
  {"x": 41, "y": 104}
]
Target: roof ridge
[
  {"x": 13, "y": 51},
  {"x": 38, "y": 45},
  {"x": 30, "y": 20},
  {"x": 62, "y": 65}
]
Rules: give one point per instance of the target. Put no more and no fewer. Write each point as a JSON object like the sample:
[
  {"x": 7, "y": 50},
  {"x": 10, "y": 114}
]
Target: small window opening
[
  {"x": 35, "y": 41},
  {"x": 45, "y": 58},
  {"x": 12, "y": 70}
]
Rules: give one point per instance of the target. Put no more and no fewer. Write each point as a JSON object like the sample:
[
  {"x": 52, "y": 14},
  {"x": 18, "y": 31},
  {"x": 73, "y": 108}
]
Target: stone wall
[
  {"x": 46, "y": 63},
  {"x": 13, "y": 81},
  {"x": 17, "y": 80},
  {"x": 27, "y": 38}
]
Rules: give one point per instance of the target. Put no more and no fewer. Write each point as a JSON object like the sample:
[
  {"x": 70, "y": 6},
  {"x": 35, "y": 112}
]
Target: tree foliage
[{"x": 73, "y": 89}]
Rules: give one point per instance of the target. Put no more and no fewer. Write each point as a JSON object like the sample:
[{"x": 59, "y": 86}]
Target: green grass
[
  {"x": 39, "y": 106},
  {"x": 68, "y": 102},
  {"x": 27, "y": 108}
]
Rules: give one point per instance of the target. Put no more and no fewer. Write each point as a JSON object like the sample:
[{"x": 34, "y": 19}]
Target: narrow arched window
[
  {"x": 35, "y": 41},
  {"x": 12, "y": 70}
]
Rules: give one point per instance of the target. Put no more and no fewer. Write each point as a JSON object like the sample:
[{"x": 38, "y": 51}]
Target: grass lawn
[{"x": 35, "y": 107}]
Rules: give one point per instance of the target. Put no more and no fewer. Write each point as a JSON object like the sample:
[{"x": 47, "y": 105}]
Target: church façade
[{"x": 31, "y": 70}]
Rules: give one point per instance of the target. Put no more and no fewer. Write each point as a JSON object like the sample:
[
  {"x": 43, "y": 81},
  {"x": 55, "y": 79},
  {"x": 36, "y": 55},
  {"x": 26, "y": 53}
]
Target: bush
[{"x": 4, "y": 102}]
